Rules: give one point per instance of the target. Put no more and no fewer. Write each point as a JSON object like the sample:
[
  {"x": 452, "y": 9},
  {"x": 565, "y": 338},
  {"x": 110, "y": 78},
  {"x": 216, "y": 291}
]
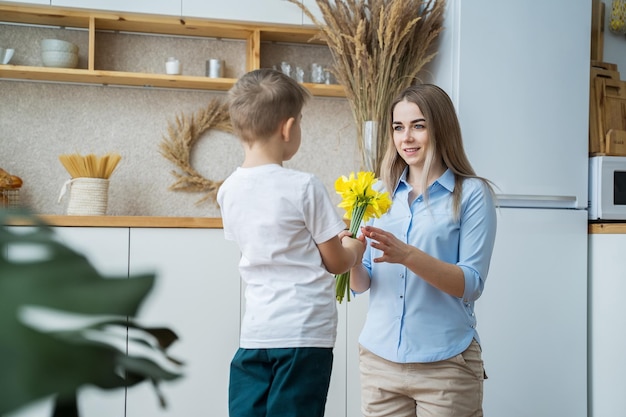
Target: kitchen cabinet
[
  {"x": 197, "y": 295},
  {"x": 97, "y": 27},
  {"x": 356, "y": 311},
  {"x": 107, "y": 250},
  {"x": 336, "y": 400},
  {"x": 607, "y": 319},
  {"x": 167, "y": 7},
  {"x": 265, "y": 11}
]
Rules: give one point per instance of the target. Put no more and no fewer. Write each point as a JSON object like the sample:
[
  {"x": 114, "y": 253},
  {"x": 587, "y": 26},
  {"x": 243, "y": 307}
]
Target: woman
[{"x": 425, "y": 266}]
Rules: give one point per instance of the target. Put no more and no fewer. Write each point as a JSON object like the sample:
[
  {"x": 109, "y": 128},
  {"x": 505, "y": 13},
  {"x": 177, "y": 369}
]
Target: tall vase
[{"x": 369, "y": 132}]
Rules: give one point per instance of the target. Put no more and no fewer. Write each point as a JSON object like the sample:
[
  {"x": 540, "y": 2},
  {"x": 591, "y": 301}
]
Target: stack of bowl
[{"x": 58, "y": 53}]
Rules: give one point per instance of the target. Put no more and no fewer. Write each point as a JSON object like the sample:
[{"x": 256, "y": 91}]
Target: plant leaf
[{"x": 42, "y": 280}]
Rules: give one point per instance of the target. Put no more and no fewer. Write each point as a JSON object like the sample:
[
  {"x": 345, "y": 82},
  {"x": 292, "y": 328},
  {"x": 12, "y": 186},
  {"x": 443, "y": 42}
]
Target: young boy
[{"x": 292, "y": 241}]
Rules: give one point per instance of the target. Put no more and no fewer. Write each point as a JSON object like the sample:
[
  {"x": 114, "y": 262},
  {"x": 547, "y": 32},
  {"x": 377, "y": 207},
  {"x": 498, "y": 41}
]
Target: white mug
[{"x": 6, "y": 55}]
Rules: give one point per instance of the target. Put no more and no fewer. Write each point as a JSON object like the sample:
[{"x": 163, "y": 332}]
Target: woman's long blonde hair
[{"x": 444, "y": 135}]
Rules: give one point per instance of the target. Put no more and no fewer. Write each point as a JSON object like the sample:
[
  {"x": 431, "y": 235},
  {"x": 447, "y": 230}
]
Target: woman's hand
[
  {"x": 394, "y": 250},
  {"x": 447, "y": 277}
]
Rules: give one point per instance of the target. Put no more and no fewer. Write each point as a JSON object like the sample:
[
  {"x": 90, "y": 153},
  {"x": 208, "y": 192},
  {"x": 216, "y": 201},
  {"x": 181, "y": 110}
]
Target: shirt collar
[{"x": 446, "y": 180}]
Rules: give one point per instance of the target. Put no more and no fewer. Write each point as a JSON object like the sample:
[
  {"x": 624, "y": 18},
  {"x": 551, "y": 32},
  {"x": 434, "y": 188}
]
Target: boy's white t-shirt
[{"x": 277, "y": 215}]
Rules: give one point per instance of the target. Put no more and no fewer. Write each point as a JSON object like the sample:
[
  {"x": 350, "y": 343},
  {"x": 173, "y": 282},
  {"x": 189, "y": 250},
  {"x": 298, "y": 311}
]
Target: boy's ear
[{"x": 285, "y": 129}]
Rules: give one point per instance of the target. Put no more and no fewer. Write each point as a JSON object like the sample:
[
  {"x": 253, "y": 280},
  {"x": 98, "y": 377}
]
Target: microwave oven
[{"x": 607, "y": 188}]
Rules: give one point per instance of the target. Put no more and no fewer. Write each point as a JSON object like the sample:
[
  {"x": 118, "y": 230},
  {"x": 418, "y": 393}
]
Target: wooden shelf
[
  {"x": 123, "y": 221},
  {"x": 607, "y": 228},
  {"x": 17, "y": 72},
  {"x": 113, "y": 78},
  {"x": 93, "y": 21}
]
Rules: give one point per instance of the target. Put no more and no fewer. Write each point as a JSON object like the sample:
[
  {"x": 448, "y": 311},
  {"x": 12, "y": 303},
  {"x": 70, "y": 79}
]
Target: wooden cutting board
[
  {"x": 607, "y": 109},
  {"x": 616, "y": 142}
]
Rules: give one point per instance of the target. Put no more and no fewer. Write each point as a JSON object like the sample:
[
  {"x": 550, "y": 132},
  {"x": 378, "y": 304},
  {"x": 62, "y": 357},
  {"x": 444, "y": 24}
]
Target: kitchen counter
[
  {"x": 128, "y": 221},
  {"x": 607, "y": 228}
]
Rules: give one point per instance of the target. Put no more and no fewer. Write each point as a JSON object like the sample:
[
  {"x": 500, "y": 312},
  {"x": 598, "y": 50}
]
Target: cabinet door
[
  {"x": 196, "y": 295},
  {"x": 336, "y": 400},
  {"x": 167, "y": 7},
  {"x": 107, "y": 250},
  {"x": 265, "y": 11},
  {"x": 356, "y": 313},
  {"x": 607, "y": 315}
]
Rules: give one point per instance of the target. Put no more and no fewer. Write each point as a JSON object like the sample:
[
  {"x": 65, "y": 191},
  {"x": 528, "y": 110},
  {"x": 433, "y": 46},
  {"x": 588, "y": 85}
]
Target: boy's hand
[
  {"x": 345, "y": 233},
  {"x": 357, "y": 246}
]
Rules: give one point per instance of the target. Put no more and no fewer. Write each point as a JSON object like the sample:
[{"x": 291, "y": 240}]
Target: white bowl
[
  {"x": 58, "y": 45},
  {"x": 59, "y": 59}
]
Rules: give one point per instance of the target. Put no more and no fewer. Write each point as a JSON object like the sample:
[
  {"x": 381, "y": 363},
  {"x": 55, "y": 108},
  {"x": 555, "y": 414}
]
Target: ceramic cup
[
  {"x": 173, "y": 66},
  {"x": 6, "y": 55}
]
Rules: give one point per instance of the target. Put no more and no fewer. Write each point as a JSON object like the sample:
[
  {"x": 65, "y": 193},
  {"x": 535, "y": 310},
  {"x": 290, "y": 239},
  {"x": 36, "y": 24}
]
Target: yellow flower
[
  {"x": 357, "y": 191},
  {"x": 361, "y": 203}
]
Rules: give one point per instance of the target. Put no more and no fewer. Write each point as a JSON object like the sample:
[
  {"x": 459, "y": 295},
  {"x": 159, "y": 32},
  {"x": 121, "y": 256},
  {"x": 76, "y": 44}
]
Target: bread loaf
[
  {"x": 9, "y": 181},
  {"x": 16, "y": 181}
]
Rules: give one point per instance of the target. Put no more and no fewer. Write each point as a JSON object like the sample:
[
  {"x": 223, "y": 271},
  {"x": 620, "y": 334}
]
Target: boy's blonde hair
[{"x": 263, "y": 99}]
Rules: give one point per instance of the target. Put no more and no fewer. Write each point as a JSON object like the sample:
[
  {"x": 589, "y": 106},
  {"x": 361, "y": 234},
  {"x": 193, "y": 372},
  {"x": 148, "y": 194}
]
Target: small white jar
[
  {"x": 172, "y": 66},
  {"x": 215, "y": 68}
]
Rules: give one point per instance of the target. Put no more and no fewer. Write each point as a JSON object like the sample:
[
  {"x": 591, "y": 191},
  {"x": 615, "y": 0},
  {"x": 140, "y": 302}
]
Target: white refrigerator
[{"x": 518, "y": 73}]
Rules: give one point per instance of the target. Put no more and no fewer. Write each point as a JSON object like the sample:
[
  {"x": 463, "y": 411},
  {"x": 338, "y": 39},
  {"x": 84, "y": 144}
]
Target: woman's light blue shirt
[{"x": 408, "y": 319}]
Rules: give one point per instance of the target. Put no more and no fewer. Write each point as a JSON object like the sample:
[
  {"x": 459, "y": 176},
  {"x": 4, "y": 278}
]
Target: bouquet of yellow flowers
[{"x": 361, "y": 203}]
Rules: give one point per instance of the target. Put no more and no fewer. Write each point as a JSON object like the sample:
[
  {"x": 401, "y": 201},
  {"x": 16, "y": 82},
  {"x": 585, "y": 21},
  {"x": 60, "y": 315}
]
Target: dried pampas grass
[{"x": 378, "y": 49}]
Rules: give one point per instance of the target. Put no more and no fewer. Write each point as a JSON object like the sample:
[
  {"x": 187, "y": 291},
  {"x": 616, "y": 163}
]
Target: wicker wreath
[{"x": 182, "y": 134}]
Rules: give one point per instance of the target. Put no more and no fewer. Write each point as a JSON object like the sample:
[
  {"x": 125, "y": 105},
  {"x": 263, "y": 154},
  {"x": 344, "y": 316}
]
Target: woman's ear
[{"x": 286, "y": 129}]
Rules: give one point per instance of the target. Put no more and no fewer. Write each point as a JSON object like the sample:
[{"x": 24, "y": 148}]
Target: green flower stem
[{"x": 342, "y": 284}]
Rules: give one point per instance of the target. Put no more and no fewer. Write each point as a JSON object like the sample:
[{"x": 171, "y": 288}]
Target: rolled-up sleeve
[{"x": 477, "y": 239}]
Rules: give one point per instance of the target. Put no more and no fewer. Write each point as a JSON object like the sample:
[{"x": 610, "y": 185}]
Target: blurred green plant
[{"x": 64, "y": 325}]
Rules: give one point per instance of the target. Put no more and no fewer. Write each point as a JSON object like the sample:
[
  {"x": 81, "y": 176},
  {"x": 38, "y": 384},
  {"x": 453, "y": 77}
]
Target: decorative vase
[{"x": 369, "y": 145}]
